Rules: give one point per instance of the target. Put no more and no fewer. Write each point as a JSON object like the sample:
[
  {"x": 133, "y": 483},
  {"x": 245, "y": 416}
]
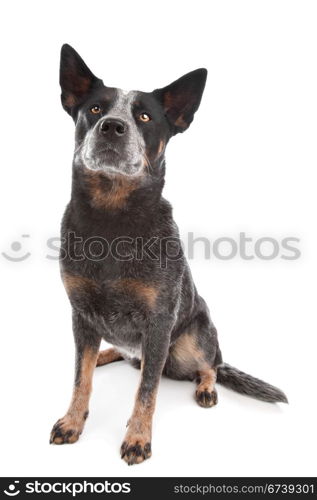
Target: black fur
[{"x": 134, "y": 301}]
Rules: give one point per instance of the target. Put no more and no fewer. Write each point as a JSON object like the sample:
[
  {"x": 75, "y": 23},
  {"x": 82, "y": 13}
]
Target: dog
[{"x": 121, "y": 261}]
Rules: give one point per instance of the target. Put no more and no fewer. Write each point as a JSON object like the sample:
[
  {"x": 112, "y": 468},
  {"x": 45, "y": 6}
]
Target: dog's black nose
[{"x": 112, "y": 127}]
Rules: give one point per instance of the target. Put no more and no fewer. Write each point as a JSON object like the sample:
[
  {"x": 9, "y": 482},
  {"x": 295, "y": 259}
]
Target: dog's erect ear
[
  {"x": 181, "y": 99},
  {"x": 75, "y": 78}
]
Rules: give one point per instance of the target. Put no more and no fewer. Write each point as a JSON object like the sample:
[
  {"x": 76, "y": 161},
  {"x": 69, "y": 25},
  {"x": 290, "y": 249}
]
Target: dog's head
[{"x": 125, "y": 133}]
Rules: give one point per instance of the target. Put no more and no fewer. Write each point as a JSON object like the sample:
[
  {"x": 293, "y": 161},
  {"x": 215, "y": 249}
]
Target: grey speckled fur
[{"x": 251, "y": 386}]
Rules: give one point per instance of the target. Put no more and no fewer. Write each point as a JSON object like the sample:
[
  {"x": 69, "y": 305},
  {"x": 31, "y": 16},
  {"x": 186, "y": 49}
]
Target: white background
[{"x": 248, "y": 163}]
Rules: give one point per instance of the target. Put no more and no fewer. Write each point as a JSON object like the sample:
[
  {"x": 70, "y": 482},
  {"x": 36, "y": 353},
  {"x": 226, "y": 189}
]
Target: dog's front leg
[
  {"x": 136, "y": 446},
  {"x": 87, "y": 342}
]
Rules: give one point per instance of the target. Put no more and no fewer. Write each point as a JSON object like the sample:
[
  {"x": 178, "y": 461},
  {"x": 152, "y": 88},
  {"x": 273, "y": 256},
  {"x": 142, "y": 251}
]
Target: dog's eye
[
  {"x": 144, "y": 117},
  {"x": 95, "y": 110}
]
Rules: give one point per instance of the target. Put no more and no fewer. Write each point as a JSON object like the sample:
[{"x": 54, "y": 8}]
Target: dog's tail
[{"x": 246, "y": 384}]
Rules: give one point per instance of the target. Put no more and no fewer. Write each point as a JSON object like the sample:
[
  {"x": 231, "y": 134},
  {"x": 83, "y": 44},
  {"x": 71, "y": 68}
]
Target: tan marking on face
[
  {"x": 108, "y": 356},
  {"x": 110, "y": 197},
  {"x": 141, "y": 290},
  {"x": 73, "y": 282},
  {"x": 161, "y": 147}
]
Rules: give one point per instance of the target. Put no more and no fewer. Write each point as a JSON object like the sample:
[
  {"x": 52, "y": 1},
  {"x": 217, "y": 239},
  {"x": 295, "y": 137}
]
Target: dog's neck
[{"x": 113, "y": 195}]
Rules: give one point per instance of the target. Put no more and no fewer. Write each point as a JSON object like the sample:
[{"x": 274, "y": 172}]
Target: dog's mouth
[
  {"x": 111, "y": 159},
  {"x": 111, "y": 162},
  {"x": 106, "y": 151},
  {"x": 107, "y": 147},
  {"x": 105, "y": 155}
]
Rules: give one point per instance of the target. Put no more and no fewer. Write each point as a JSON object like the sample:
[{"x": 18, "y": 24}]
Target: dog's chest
[
  {"x": 122, "y": 327},
  {"x": 127, "y": 343},
  {"x": 130, "y": 352}
]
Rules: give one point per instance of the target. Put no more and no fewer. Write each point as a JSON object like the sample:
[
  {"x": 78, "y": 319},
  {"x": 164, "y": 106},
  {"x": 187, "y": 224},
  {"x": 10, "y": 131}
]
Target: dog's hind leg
[
  {"x": 187, "y": 361},
  {"x": 206, "y": 394},
  {"x": 108, "y": 356},
  {"x": 195, "y": 355}
]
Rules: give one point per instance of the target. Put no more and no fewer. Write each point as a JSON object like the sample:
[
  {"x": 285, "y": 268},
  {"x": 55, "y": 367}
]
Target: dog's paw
[
  {"x": 66, "y": 430},
  {"x": 135, "y": 450},
  {"x": 206, "y": 399}
]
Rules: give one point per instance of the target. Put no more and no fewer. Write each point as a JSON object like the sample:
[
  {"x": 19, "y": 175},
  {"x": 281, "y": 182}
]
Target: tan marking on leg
[
  {"x": 141, "y": 290},
  {"x": 185, "y": 348},
  {"x": 108, "y": 356},
  {"x": 69, "y": 428},
  {"x": 206, "y": 395},
  {"x": 106, "y": 195},
  {"x": 207, "y": 379},
  {"x": 136, "y": 446},
  {"x": 82, "y": 390}
]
